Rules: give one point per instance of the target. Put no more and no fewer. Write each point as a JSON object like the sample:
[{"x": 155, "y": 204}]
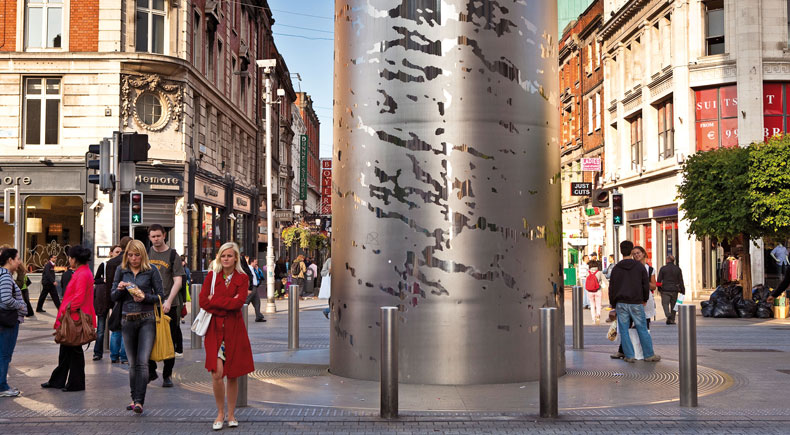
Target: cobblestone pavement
[{"x": 752, "y": 353}]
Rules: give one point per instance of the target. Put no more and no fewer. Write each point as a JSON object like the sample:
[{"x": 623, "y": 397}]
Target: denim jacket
[{"x": 149, "y": 281}]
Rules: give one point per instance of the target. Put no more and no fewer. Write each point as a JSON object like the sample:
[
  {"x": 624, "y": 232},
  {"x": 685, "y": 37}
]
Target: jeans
[
  {"x": 117, "y": 350},
  {"x": 48, "y": 290},
  {"x": 625, "y": 314},
  {"x": 256, "y": 302},
  {"x": 178, "y": 343},
  {"x": 138, "y": 338},
  {"x": 586, "y": 302},
  {"x": 668, "y": 301},
  {"x": 101, "y": 326},
  {"x": 26, "y": 297},
  {"x": 7, "y": 344},
  {"x": 70, "y": 372}
]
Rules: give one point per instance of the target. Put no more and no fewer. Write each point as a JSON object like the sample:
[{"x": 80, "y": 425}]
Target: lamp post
[{"x": 268, "y": 65}]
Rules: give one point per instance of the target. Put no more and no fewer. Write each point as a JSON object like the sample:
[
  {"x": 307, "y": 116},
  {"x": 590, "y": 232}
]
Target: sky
[{"x": 304, "y": 33}]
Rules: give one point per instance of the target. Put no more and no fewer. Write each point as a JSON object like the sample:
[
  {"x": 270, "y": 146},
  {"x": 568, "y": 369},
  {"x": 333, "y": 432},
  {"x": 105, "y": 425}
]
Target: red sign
[
  {"x": 772, "y": 99},
  {"x": 707, "y": 104},
  {"x": 326, "y": 186},
  {"x": 728, "y": 102},
  {"x": 729, "y": 132},
  {"x": 772, "y": 125},
  {"x": 707, "y": 135}
]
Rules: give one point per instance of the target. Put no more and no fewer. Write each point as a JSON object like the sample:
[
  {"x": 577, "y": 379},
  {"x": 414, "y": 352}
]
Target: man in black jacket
[
  {"x": 48, "y": 285},
  {"x": 629, "y": 290},
  {"x": 670, "y": 281}
]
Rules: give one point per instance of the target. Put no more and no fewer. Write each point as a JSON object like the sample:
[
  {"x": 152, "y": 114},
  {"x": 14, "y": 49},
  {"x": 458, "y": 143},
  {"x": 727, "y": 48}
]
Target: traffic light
[
  {"x": 617, "y": 209},
  {"x": 600, "y": 198},
  {"x": 135, "y": 207},
  {"x": 134, "y": 147},
  {"x": 105, "y": 176}
]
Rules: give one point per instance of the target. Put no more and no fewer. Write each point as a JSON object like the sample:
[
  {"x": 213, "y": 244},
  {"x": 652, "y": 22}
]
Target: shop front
[
  {"x": 210, "y": 204},
  {"x": 162, "y": 188},
  {"x": 242, "y": 222},
  {"x": 55, "y": 214}
]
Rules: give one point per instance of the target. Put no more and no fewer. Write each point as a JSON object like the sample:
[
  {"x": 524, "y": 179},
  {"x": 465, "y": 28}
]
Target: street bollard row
[
  {"x": 578, "y": 317},
  {"x": 389, "y": 362},
  {"x": 687, "y": 350},
  {"x": 196, "y": 341},
  {"x": 549, "y": 399},
  {"x": 293, "y": 317}
]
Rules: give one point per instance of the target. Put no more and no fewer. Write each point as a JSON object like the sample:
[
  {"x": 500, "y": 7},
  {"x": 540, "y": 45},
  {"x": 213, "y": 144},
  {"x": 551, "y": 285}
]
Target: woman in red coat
[
  {"x": 69, "y": 375},
  {"x": 228, "y": 351}
]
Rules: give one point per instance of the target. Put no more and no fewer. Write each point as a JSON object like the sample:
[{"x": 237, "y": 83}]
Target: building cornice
[{"x": 621, "y": 17}]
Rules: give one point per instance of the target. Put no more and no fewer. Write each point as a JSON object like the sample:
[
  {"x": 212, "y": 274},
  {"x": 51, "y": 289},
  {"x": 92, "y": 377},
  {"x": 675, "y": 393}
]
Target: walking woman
[
  {"x": 69, "y": 375},
  {"x": 138, "y": 286},
  {"x": 228, "y": 352},
  {"x": 13, "y": 306}
]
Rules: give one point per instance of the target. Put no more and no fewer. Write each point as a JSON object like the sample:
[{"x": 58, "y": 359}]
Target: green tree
[
  {"x": 716, "y": 200},
  {"x": 769, "y": 186}
]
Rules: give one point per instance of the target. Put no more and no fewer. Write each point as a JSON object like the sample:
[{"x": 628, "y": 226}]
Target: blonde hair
[
  {"x": 218, "y": 264},
  {"x": 136, "y": 247}
]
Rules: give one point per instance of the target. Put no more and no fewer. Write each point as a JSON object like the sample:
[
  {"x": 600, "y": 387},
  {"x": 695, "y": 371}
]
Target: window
[
  {"x": 597, "y": 54},
  {"x": 44, "y": 24},
  {"x": 244, "y": 94},
  {"x": 590, "y": 115},
  {"x": 598, "y": 111},
  {"x": 210, "y": 36},
  {"x": 666, "y": 130},
  {"x": 150, "y": 26},
  {"x": 149, "y": 108},
  {"x": 234, "y": 80},
  {"x": 197, "y": 47},
  {"x": 716, "y": 114},
  {"x": 636, "y": 142},
  {"x": 42, "y": 111},
  {"x": 776, "y": 111},
  {"x": 53, "y": 224},
  {"x": 714, "y": 27},
  {"x": 220, "y": 67},
  {"x": 589, "y": 59}
]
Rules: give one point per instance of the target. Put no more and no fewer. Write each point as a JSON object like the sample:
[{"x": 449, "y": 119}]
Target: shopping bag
[
  {"x": 636, "y": 343},
  {"x": 611, "y": 334},
  {"x": 163, "y": 344},
  {"x": 203, "y": 318},
  {"x": 326, "y": 286},
  {"x": 681, "y": 298}
]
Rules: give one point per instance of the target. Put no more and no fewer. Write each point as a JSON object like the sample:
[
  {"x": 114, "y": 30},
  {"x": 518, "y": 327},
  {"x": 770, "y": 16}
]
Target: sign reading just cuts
[{"x": 581, "y": 189}]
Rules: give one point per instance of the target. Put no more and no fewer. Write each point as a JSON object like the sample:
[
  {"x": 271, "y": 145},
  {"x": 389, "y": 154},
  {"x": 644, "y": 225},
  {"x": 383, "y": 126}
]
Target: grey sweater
[{"x": 11, "y": 295}]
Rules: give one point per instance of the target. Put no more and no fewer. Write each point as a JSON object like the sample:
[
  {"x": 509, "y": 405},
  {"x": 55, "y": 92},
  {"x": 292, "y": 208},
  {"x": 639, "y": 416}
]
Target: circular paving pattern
[
  {"x": 194, "y": 377},
  {"x": 709, "y": 381}
]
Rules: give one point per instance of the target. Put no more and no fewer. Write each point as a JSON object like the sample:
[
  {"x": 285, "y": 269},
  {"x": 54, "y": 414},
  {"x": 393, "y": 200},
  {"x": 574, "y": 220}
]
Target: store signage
[
  {"x": 152, "y": 180},
  {"x": 716, "y": 112},
  {"x": 581, "y": 189},
  {"x": 326, "y": 186},
  {"x": 209, "y": 192},
  {"x": 242, "y": 203},
  {"x": 36, "y": 178},
  {"x": 303, "y": 168},
  {"x": 16, "y": 181},
  {"x": 591, "y": 164},
  {"x": 283, "y": 215}
]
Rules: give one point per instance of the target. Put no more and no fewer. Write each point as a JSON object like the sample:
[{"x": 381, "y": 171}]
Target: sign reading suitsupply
[{"x": 326, "y": 186}]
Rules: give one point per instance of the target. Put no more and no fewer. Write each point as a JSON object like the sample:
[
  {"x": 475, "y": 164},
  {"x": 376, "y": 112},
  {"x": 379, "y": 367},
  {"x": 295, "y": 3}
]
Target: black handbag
[
  {"x": 9, "y": 318},
  {"x": 114, "y": 322}
]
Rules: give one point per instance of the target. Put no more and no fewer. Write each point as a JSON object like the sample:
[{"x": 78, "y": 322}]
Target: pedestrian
[
  {"x": 326, "y": 285},
  {"x": 298, "y": 270},
  {"x": 256, "y": 278},
  {"x": 594, "y": 261},
  {"x": 310, "y": 277},
  {"x": 138, "y": 287},
  {"x": 101, "y": 304},
  {"x": 280, "y": 275},
  {"x": 608, "y": 271},
  {"x": 48, "y": 285},
  {"x": 629, "y": 290},
  {"x": 779, "y": 254},
  {"x": 228, "y": 351},
  {"x": 13, "y": 308},
  {"x": 23, "y": 282},
  {"x": 670, "y": 284},
  {"x": 167, "y": 260},
  {"x": 69, "y": 375},
  {"x": 783, "y": 286},
  {"x": 593, "y": 285},
  {"x": 65, "y": 278},
  {"x": 584, "y": 271},
  {"x": 117, "y": 350}
]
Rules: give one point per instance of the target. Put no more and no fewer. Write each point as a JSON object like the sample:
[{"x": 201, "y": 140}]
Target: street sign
[
  {"x": 581, "y": 189},
  {"x": 326, "y": 186},
  {"x": 283, "y": 215},
  {"x": 303, "y": 168},
  {"x": 591, "y": 164}
]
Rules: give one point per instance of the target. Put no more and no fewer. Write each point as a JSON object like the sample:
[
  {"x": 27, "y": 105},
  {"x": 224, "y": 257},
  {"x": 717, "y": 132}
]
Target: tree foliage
[{"x": 769, "y": 186}]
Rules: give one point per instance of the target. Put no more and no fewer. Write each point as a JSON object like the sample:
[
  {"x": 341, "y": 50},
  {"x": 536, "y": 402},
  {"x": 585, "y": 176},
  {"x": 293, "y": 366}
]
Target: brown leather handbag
[{"x": 75, "y": 333}]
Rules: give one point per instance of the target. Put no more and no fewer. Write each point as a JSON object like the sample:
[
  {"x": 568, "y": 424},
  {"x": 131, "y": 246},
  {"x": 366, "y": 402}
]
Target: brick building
[{"x": 313, "y": 128}]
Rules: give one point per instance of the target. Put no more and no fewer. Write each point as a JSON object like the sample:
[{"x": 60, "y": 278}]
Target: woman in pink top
[{"x": 69, "y": 375}]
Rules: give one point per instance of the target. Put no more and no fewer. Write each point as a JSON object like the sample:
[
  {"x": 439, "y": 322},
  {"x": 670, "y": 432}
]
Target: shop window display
[{"x": 52, "y": 225}]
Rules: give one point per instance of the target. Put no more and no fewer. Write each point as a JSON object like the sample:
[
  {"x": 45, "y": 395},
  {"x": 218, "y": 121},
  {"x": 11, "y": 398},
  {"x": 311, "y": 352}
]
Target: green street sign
[{"x": 303, "y": 167}]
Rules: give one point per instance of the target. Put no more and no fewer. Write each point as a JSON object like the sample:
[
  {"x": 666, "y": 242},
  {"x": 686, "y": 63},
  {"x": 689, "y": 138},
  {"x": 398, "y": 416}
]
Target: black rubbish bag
[
  {"x": 760, "y": 293},
  {"x": 707, "y": 309},
  {"x": 746, "y": 309},
  {"x": 764, "y": 311},
  {"x": 719, "y": 295},
  {"x": 724, "y": 310}
]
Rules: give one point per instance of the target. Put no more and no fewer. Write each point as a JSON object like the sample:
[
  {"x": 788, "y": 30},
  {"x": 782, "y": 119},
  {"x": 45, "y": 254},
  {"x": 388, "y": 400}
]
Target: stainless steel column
[
  {"x": 389, "y": 362},
  {"x": 241, "y": 397},
  {"x": 446, "y": 186},
  {"x": 548, "y": 363},
  {"x": 687, "y": 347},
  {"x": 578, "y": 317},
  {"x": 293, "y": 316},
  {"x": 196, "y": 341}
]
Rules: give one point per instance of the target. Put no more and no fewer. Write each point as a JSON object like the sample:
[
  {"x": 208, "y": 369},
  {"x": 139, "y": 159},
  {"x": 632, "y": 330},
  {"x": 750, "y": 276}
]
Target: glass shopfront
[
  {"x": 209, "y": 198},
  {"x": 52, "y": 225}
]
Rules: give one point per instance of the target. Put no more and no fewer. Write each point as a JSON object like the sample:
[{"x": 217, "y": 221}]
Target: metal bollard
[
  {"x": 389, "y": 362},
  {"x": 687, "y": 347},
  {"x": 578, "y": 317},
  {"x": 293, "y": 317},
  {"x": 241, "y": 397},
  {"x": 196, "y": 341},
  {"x": 548, "y": 363}
]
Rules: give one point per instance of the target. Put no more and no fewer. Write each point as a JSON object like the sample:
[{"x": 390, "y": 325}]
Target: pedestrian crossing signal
[
  {"x": 135, "y": 207},
  {"x": 617, "y": 209}
]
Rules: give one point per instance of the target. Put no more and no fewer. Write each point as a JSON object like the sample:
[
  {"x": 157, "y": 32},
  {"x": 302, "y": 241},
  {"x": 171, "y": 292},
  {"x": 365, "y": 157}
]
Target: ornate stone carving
[{"x": 170, "y": 94}]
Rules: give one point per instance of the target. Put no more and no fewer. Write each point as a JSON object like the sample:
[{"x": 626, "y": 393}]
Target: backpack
[
  {"x": 296, "y": 269},
  {"x": 591, "y": 283}
]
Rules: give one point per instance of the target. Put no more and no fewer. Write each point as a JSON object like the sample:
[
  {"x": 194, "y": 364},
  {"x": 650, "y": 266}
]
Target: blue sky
[{"x": 303, "y": 32}]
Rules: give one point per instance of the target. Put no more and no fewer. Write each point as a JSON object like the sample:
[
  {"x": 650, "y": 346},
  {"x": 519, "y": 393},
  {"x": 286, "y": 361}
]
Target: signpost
[
  {"x": 581, "y": 189},
  {"x": 303, "y": 167}
]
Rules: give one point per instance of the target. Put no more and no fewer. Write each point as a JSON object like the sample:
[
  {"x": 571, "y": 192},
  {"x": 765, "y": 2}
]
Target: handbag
[
  {"x": 9, "y": 318},
  {"x": 75, "y": 332},
  {"x": 114, "y": 321},
  {"x": 203, "y": 318},
  {"x": 163, "y": 344}
]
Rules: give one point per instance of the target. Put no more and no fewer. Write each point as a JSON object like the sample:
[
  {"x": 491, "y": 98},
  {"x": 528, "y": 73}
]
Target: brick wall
[
  {"x": 8, "y": 21},
  {"x": 84, "y": 25}
]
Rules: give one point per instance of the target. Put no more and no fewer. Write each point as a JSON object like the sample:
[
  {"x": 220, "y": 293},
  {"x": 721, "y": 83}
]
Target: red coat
[
  {"x": 79, "y": 293},
  {"x": 227, "y": 324}
]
